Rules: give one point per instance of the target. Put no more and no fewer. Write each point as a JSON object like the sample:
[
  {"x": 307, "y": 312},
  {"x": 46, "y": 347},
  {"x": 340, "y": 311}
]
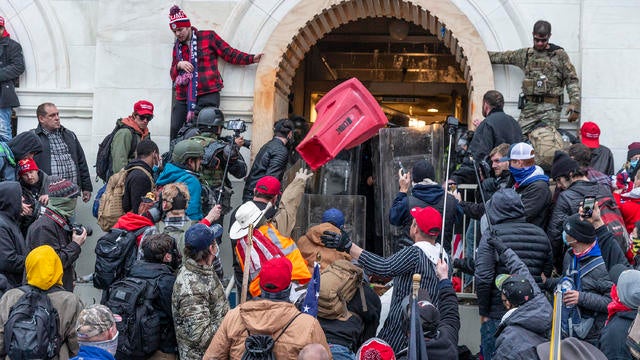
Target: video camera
[{"x": 238, "y": 126}]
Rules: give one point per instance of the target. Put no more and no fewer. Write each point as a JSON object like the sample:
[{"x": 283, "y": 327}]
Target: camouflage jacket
[
  {"x": 198, "y": 305},
  {"x": 545, "y": 72}
]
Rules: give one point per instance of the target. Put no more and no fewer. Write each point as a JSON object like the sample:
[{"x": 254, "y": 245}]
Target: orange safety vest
[{"x": 300, "y": 272}]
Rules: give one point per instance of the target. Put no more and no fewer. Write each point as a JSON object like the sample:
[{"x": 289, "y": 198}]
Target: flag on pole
[
  {"x": 417, "y": 345},
  {"x": 310, "y": 304}
]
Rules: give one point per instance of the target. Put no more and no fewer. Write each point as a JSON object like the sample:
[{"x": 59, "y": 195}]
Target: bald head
[{"x": 313, "y": 352}]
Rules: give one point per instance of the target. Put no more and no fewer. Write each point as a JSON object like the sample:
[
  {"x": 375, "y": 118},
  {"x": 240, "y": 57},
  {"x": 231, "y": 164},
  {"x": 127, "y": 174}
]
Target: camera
[
  {"x": 452, "y": 124},
  {"x": 77, "y": 228}
]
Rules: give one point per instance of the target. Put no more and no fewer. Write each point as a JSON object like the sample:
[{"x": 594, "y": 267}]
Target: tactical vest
[{"x": 542, "y": 76}]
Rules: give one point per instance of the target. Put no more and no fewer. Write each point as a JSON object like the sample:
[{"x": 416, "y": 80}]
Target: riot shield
[
  {"x": 404, "y": 145},
  {"x": 353, "y": 207}
]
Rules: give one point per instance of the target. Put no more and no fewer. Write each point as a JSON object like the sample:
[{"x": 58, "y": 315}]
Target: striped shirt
[
  {"x": 401, "y": 266},
  {"x": 62, "y": 163}
]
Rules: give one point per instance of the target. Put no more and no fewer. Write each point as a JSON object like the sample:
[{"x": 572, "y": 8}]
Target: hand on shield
[{"x": 339, "y": 241}]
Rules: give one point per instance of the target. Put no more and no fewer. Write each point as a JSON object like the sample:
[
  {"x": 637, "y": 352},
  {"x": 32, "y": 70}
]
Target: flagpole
[
  {"x": 416, "y": 284},
  {"x": 556, "y": 332},
  {"x": 247, "y": 265}
]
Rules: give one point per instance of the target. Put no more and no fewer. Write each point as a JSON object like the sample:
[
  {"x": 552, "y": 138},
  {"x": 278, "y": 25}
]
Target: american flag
[{"x": 310, "y": 304}]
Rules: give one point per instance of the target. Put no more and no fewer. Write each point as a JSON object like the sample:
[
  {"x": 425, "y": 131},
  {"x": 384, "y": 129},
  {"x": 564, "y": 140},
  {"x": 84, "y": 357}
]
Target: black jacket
[
  {"x": 602, "y": 160},
  {"x": 77, "y": 154},
  {"x": 24, "y": 143},
  {"x": 137, "y": 185},
  {"x": 613, "y": 340},
  {"x": 529, "y": 324},
  {"x": 271, "y": 160},
  {"x": 497, "y": 128},
  {"x": 163, "y": 277},
  {"x": 11, "y": 66},
  {"x": 475, "y": 210},
  {"x": 529, "y": 242},
  {"x": 567, "y": 204},
  {"x": 13, "y": 249},
  {"x": 445, "y": 345},
  {"x": 536, "y": 198}
]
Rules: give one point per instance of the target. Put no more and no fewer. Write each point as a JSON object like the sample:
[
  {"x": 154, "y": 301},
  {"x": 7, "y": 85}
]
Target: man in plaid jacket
[{"x": 194, "y": 68}]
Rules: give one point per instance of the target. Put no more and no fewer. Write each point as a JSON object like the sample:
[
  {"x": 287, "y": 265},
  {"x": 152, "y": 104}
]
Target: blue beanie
[
  {"x": 199, "y": 236},
  {"x": 334, "y": 216}
]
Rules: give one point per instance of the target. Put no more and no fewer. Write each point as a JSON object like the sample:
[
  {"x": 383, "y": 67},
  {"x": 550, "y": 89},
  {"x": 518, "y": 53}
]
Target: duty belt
[{"x": 555, "y": 100}]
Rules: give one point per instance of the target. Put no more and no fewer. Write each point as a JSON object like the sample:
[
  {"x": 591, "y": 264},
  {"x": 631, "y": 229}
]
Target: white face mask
[{"x": 110, "y": 346}]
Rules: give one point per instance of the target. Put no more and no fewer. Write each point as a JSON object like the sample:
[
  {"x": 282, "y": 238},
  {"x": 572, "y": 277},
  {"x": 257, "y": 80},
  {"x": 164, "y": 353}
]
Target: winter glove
[
  {"x": 636, "y": 245},
  {"x": 339, "y": 241},
  {"x": 572, "y": 113},
  {"x": 497, "y": 244},
  {"x": 304, "y": 174}
]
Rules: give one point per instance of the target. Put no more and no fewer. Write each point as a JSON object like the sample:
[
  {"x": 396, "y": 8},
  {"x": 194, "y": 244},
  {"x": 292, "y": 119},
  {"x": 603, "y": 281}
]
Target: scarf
[
  {"x": 592, "y": 251},
  {"x": 615, "y": 306},
  {"x": 528, "y": 175},
  {"x": 62, "y": 206},
  {"x": 132, "y": 124},
  {"x": 191, "y": 79}
]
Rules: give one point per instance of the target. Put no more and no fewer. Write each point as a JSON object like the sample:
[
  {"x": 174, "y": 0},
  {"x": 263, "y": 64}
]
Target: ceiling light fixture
[{"x": 432, "y": 110}]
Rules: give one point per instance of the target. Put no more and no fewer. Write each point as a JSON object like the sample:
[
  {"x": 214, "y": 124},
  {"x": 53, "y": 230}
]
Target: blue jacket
[
  {"x": 92, "y": 353},
  {"x": 173, "y": 173}
]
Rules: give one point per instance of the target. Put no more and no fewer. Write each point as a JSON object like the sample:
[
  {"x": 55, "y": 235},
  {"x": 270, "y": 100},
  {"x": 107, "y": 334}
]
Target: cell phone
[
  {"x": 587, "y": 206},
  {"x": 404, "y": 171}
]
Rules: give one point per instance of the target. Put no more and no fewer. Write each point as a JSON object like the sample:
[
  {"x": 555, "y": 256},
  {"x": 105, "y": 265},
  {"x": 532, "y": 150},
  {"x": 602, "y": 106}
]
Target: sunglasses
[
  {"x": 540, "y": 40},
  {"x": 146, "y": 117}
]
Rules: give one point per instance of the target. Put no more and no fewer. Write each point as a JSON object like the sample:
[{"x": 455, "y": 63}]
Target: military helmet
[
  {"x": 210, "y": 117},
  {"x": 185, "y": 150}
]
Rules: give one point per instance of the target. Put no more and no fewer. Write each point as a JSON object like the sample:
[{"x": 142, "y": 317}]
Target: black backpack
[
  {"x": 103, "y": 158},
  {"x": 139, "y": 330},
  {"x": 31, "y": 330},
  {"x": 260, "y": 347},
  {"x": 116, "y": 251}
]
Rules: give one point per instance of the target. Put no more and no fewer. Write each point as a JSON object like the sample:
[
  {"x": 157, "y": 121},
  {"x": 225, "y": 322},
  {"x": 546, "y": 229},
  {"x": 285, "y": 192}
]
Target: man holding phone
[{"x": 424, "y": 192}]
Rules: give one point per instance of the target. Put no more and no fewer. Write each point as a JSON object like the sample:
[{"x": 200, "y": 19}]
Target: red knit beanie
[{"x": 177, "y": 18}]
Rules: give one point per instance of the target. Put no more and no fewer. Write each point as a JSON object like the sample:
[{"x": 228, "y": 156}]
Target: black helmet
[{"x": 210, "y": 117}]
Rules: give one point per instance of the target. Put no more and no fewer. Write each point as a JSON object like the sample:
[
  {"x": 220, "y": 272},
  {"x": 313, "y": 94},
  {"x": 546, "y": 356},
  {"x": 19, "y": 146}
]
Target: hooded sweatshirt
[
  {"x": 132, "y": 222},
  {"x": 13, "y": 249},
  {"x": 25, "y": 143},
  {"x": 44, "y": 268}
]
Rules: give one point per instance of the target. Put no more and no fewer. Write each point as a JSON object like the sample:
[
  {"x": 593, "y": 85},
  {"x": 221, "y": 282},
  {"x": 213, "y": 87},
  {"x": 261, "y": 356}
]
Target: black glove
[
  {"x": 339, "y": 241},
  {"x": 497, "y": 244}
]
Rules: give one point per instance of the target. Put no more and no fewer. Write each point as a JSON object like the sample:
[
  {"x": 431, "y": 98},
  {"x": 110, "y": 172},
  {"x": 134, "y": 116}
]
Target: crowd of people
[{"x": 557, "y": 228}]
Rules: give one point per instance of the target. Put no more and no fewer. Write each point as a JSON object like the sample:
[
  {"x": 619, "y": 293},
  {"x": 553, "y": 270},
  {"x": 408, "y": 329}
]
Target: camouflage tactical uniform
[
  {"x": 198, "y": 305},
  {"x": 546, "y": 74}
]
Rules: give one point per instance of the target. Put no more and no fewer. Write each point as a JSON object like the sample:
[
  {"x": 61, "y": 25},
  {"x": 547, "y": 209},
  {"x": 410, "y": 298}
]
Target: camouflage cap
[{"x": 95, "y": 320}]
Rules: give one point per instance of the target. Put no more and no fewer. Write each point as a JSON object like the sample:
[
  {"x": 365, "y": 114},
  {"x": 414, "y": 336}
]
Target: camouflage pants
[{"x": 533, "y": 114}]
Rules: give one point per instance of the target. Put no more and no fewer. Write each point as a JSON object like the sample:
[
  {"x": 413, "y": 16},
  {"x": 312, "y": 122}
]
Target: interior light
[
  {"x": 413, "y": 122},
  {"x": 432, "y": 110}
]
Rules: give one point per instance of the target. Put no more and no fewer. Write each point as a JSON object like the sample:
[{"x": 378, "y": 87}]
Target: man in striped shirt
[{"x": 421, "y": 258}]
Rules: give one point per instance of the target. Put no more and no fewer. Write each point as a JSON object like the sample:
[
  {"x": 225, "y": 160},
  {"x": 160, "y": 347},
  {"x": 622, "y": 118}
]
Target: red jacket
[
  {"x": 629, "y": 204},
  {"x": 132, "y": 222},
  {"x": 210, "y": 47}
]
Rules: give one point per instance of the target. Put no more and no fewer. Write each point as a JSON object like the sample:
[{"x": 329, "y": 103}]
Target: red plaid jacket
[{"x": 210, "y": 46}]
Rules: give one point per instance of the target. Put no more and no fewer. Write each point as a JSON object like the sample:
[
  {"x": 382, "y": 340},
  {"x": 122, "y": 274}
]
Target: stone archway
[{"x": 292, "y": 39}]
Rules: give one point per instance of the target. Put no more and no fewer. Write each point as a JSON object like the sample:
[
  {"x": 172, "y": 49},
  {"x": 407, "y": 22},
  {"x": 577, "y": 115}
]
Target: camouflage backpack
[{"x": 545, "y": 141}]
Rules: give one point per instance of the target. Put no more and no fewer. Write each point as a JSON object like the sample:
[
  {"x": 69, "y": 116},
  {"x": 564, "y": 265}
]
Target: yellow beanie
[{"x": 44, "y": 268}]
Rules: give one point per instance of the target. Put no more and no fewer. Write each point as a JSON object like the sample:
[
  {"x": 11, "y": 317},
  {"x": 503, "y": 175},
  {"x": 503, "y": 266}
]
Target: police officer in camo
[
  {"x": 547, "y": 71},
  {"x": 198, "y": 300}
]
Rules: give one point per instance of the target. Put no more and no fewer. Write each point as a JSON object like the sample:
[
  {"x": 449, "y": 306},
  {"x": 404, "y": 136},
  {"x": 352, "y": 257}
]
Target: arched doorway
[{"x": 291, "y": 41}]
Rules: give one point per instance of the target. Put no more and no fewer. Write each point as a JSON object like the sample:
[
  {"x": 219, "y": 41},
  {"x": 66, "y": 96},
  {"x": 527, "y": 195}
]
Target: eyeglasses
[
  {"x": 146, "y": 117},
  {"x": 540, "y": 40}
]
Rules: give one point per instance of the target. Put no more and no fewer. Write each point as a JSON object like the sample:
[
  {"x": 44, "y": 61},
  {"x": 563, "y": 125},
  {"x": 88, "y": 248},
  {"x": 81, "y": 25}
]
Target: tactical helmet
[
  {"x": 210, "y": 117},
  {"x": 187, "y": 149}
]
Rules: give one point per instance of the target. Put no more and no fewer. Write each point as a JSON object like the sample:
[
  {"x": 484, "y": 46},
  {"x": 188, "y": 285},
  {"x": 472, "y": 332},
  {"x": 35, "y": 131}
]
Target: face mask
[
  {"x": 564, "y": 239},
  {"x": 155, "y": 169},
  {"x": 520, "y": 174},
  {"x": 110, "y": 346},
  {"x": 634, "y": 163}
]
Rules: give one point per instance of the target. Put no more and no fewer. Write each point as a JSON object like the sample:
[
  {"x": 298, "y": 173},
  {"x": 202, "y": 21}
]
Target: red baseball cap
[
  {"x": 275, "y": 274},
  {"x": 268, "y": 185},
  {"x": 26, "y": 165},
  {"x": 143, "y": 107},
  {"x": 428, "y": 219},
  {"x": 590, "y": 135}
]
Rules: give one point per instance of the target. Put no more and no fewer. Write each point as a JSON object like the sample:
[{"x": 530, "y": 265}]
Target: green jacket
[{"x": 121, "y": 151}]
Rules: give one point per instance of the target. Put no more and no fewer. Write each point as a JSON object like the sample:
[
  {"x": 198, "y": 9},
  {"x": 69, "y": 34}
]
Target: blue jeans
[
  {"x": 488, "y": 337},
  {"x": 5, "y": 124},
  {"x": 340, "y": 352}
]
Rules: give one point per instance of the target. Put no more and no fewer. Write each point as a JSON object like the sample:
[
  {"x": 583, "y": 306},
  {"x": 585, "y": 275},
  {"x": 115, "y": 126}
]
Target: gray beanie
[{"x": 629, "y": 288}]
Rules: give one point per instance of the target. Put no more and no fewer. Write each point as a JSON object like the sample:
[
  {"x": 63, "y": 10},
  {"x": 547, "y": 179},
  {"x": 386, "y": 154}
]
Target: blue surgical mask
[
  {"x": 155, "y": 169},
  {"x": 564, "y": 239},
  {"x": 634, "y": 163}
]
